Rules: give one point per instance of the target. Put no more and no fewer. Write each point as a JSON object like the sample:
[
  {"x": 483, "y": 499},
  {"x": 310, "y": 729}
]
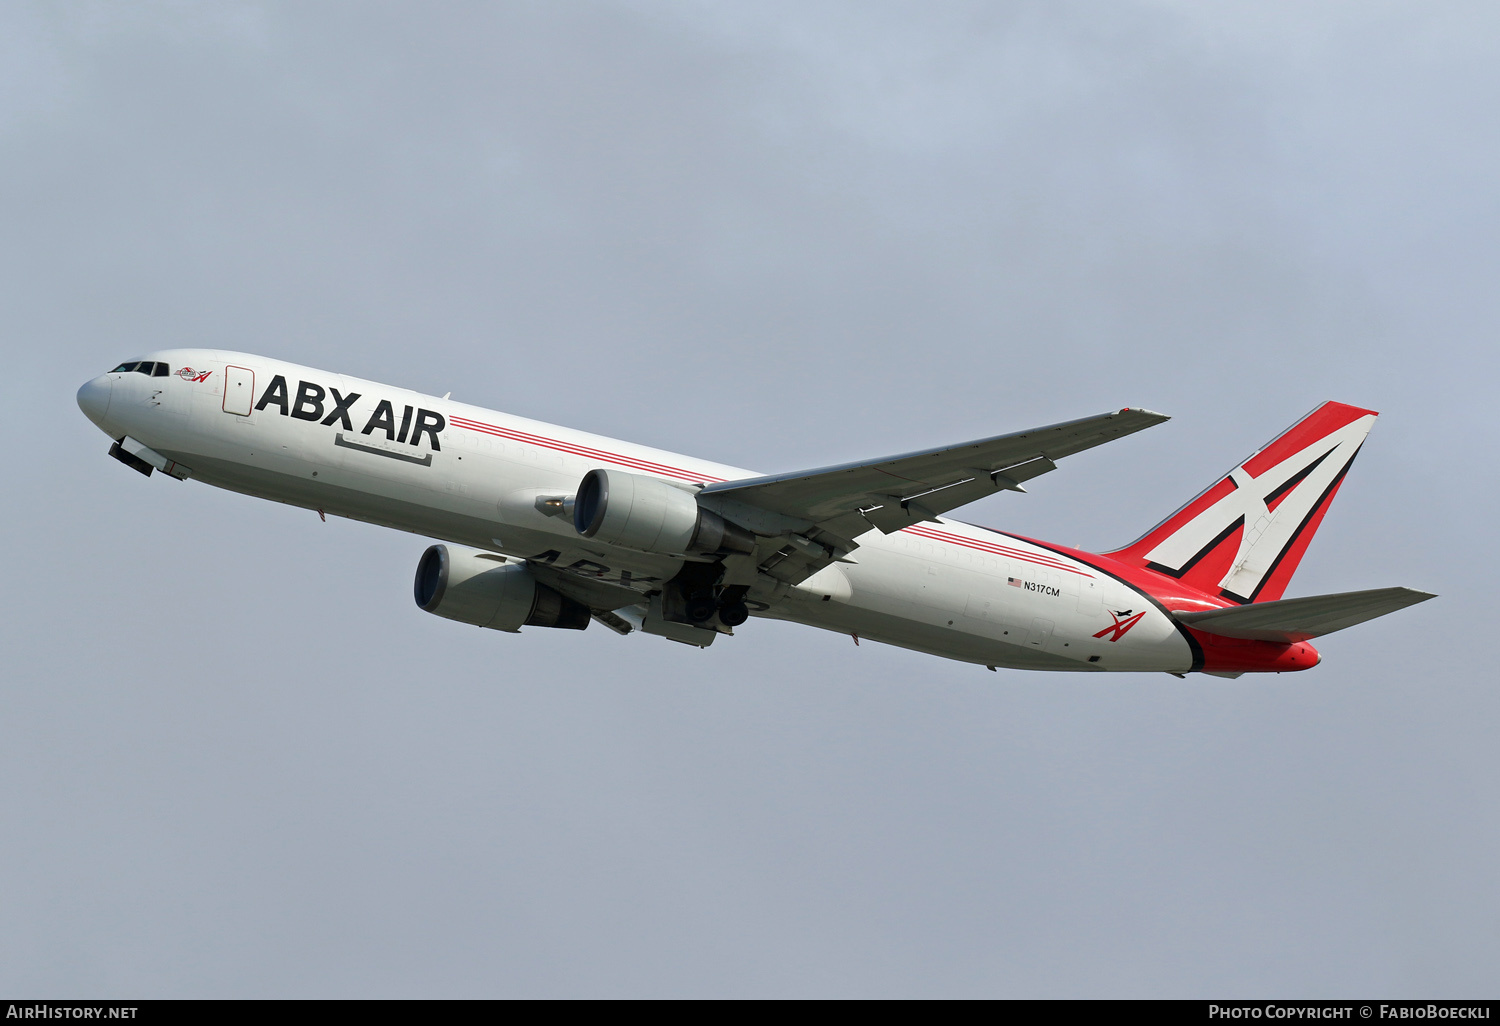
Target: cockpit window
[{"x": 149, "y": 368}]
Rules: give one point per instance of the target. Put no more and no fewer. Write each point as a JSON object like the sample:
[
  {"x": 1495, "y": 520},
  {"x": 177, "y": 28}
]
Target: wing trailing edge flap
[
  {"x": 895, "y": 512},
  {"x": 1298, "y": 619}
]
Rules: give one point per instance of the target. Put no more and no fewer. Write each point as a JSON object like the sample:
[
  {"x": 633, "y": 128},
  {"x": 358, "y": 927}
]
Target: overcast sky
[{"x": 235, "y": 760}]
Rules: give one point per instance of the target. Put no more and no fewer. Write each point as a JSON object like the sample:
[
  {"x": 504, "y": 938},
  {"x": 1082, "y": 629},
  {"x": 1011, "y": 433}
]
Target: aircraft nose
[{"x": 93, "y": 399}]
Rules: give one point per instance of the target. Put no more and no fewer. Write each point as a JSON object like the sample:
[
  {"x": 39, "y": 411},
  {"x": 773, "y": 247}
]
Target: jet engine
[
  {"x": 650, "y": 515},
  {"x": 478, "y": 587}
]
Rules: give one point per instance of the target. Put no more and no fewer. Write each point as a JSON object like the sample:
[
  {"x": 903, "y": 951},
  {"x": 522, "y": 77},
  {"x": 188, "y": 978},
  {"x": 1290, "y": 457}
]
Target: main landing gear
[
  {"x": 732, "y": 608},
  {"x": 694, "y": 597},
  {"x": 701, "y": 607}
]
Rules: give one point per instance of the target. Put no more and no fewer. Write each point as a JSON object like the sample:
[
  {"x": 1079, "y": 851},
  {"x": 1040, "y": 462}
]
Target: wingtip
[{"x": 1150, "y": 414}]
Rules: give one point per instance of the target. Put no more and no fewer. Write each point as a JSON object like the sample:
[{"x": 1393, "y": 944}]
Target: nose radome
[{"x": 93, "y": 399}]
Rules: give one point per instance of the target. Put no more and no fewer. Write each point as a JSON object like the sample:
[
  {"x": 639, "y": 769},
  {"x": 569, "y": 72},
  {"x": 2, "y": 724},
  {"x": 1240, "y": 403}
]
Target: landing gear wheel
[
  {"x": 700, "y": 608},
  {"x": 733, "y": 614}
]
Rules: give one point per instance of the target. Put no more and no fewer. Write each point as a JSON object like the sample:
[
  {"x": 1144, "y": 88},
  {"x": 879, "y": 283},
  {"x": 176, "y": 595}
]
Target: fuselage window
[{"x": 124, "y": 368}]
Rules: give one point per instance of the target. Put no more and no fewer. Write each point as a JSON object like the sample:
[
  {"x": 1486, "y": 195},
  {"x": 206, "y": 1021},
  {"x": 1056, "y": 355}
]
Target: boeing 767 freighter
[{"x": 544, "y": 526}]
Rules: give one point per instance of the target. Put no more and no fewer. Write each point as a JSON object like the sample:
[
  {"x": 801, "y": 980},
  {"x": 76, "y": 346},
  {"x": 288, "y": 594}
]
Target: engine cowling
[
  {"x": 480, "y": 588},
  {"x": 649, "y": 515}
]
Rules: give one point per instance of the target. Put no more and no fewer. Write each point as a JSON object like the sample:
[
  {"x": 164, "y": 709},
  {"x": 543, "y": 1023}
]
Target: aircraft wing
[
  {"x": 826, "y": 509},
  {"x": 897, "y": 491}
]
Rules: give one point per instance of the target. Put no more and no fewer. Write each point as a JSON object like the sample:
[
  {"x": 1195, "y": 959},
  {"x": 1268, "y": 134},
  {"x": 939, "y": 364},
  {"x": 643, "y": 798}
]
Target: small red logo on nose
[
  {"x": 188, "y": 374},
  {"x": 1118, "y": 629}
]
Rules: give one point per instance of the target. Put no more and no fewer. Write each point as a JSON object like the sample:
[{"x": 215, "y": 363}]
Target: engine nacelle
[
  {"x": 650, "y": 515},
  {"x": 477, "y": 587}
]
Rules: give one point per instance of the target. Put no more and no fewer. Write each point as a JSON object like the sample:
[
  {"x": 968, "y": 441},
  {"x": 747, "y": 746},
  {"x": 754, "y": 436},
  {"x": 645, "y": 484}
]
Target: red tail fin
[{"x": 1244, "y": 536}]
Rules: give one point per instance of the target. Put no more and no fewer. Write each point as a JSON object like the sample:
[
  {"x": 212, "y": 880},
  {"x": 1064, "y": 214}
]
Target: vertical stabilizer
[{"x": 1243, "y": 537}]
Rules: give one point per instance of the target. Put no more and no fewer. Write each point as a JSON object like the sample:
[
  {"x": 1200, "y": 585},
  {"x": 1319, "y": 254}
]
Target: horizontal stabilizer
[{"x": 1298, "y": 619}]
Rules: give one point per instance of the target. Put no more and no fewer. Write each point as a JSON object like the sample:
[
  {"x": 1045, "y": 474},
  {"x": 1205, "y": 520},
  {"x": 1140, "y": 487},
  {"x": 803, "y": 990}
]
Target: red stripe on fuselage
[
  {"x": 581, "y": 450},
  {"x": 1049, "y": 562}
]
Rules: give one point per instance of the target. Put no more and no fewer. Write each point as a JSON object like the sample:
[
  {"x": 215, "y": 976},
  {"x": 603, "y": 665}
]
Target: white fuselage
[{"x": 946, "y": 588}]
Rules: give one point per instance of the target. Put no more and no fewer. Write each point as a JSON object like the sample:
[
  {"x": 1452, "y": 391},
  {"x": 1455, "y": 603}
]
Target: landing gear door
[{"x": 239, "y": 390}]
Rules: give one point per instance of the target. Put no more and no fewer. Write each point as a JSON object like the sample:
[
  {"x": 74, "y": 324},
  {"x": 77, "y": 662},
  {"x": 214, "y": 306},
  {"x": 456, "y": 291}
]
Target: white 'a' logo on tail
[{"x": 1267, "y": 533}]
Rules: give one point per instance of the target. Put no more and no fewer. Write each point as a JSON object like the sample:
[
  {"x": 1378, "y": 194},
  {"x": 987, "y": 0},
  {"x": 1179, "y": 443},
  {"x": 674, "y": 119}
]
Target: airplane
[{"x": 545, "y": 526}]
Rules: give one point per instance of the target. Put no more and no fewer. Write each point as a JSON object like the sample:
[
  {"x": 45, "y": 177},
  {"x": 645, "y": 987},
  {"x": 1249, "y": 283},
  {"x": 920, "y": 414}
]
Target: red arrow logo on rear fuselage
[{"x": 1118, "y": 629}]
